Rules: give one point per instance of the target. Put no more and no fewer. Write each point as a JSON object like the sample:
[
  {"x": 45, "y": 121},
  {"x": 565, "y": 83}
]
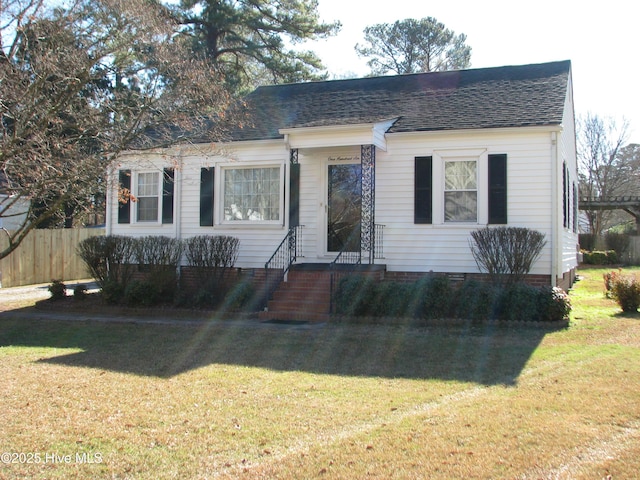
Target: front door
[{"x": 344, "y": 207}]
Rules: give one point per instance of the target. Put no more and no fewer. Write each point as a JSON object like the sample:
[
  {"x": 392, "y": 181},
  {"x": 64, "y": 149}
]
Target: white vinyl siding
[
  {"x": 258, "y": 239},
  {"x": 444, "y": 246}
]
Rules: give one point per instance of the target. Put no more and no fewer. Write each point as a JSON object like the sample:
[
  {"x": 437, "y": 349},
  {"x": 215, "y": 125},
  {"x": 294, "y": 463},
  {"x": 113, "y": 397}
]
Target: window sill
[{"x": 250, "y": 226}]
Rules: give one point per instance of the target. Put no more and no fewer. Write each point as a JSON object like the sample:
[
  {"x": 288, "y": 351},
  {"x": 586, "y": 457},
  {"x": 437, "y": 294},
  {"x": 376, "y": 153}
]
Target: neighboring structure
[
  {"x": 13, "y": 210},
  {"x": 431, "y": 157}
]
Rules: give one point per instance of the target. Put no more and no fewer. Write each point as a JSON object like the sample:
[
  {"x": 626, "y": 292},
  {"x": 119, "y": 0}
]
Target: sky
[{"x": 600, "y": 38}]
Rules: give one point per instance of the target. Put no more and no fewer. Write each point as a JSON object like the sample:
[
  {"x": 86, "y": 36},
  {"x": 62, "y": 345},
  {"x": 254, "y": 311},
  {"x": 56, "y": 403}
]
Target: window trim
[
  {"x": 446, "y": 190},
  {"x": 481, "y": 157},
  {"x": 219, "y": 194},
  {"x": 158, "y": 196}
]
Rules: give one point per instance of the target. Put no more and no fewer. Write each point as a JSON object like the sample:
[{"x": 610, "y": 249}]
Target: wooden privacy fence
[{"x": 45, "y": 255}]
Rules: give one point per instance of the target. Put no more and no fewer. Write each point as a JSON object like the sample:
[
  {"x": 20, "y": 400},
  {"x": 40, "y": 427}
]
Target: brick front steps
[{"x": 306, "y": 295}]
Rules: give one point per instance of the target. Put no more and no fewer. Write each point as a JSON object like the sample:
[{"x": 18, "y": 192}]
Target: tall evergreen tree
[
  {"x": 251, "y": 41},
  {"x": 412, "y": 46}
]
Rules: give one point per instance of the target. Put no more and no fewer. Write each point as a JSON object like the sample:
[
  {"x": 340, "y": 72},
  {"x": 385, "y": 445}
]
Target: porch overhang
[{"x": 338, "y": 135}]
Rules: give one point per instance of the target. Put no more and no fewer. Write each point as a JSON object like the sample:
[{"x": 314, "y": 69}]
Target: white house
[{"x": 398, "y": 170}]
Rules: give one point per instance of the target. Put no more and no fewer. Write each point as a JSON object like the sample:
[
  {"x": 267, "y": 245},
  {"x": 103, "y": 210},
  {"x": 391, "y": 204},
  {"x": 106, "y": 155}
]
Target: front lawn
[{"x": 244, "y": 400}]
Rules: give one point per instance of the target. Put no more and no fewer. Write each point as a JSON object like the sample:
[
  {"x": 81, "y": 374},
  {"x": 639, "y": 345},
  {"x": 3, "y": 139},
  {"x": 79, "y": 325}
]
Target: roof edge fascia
[
  {"x": 210, "y": 148},
  {"x": 479, "y": 131}
]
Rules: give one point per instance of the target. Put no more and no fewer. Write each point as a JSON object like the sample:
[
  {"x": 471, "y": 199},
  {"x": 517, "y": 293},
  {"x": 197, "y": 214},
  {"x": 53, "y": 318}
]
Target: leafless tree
[
  {"x": 80, "y": 83},
  {"x": 605, "y": 169}
]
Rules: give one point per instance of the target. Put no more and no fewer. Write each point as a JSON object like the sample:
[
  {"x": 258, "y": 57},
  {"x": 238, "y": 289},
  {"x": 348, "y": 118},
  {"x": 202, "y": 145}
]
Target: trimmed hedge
[
  {"x": 598, "y": 257},
  {"x": 113, "y": 260},
  {"x": 438, "y": 298}
]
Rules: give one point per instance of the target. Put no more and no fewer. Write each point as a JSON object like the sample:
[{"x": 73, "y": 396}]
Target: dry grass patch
[{"x": 236, "y": 401}]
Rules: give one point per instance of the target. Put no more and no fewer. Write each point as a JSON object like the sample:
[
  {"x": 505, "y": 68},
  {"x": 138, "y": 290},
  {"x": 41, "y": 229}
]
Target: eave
[{"x": 338, "y": 135}]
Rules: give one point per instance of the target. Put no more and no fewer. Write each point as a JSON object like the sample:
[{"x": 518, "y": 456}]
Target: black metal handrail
[{"x": 280, "y": 262}]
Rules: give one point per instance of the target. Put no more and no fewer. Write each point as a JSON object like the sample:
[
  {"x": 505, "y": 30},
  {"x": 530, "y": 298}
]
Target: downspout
[
  {"x": 177, "y": 217},
  {"x": 554, "y": 207},
  {"x": 177, "y": 185},
  {"x": 109, "y": 207}
]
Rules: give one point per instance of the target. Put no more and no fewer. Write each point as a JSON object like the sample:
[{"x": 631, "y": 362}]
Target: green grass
[{"x": 228, "y": 400}]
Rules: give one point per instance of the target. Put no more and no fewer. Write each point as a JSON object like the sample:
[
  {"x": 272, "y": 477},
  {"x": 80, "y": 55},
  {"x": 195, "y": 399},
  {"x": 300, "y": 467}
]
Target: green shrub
[
  {"x": 518, "y": 302},
  {"x": 112, "y": 292},
  {"x": 204, "y": 298},
  {"x": 475, "y": 300},
  {"x": 355, "y": 296},
  {"x": 80, "y": 292},
  {"x": 588, "y": 241},
  {"x": 618, "y": 242},
  {"x": 626, "y": 292},
  {"x": 242, "y": 297},
  {"x": 436, "y": 297},
  {"x": 141, "y": 293},
  {"x": 57, "y": 289},
  {"x": 598, "y": 257},
  {"x": 553, "y": 305}
]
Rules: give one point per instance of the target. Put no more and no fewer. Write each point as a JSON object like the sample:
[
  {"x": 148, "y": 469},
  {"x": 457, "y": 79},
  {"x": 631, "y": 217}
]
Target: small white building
[{"x": 398, "y": 170}]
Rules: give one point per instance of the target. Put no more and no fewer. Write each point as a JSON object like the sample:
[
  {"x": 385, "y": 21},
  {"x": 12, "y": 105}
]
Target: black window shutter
[
  {"x": 575, "y": 207},
  {"x": 564, "y": 194},
  {"x": 124, "y": 209},
  {"x": 294, "y": 195},
  {"x": 423, "y": 186},
  {"x": 168, "y": 181},
  {"x": 207, "y": 176},
  {"x": 498, "y": 189}
]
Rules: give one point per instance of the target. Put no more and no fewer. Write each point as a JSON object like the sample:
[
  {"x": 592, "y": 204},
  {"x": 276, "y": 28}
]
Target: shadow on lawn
[{"x": 484, "y": 354}]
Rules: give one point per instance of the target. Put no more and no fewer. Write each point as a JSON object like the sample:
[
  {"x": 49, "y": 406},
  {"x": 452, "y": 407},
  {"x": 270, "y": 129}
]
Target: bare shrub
[
  {"x": 212, "y": 255},
  {"x": 506, "y": 253},
  {"x": 159, "y": 257},
  {"x": 109, "y": 258},
  {"x": 158, "y": 250}
]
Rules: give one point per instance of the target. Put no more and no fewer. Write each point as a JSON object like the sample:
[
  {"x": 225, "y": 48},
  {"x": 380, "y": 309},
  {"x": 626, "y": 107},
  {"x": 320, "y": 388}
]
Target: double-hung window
[
  {"x": 152, "y": 193},
  {"x": 467, "y": 186},
  {"x": 147, "y": 196},
  {"x": 461, "y": 191},
  {"x": 252, "y": 194}
]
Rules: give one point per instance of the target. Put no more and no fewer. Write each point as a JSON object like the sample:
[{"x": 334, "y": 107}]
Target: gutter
[{"x": 177, "y": 209}]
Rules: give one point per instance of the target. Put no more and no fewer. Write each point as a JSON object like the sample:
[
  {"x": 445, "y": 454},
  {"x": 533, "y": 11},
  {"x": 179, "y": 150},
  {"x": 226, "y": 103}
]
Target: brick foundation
[
  {"x": 534, "y": 280},
  {"x": 567, "y": 280}
]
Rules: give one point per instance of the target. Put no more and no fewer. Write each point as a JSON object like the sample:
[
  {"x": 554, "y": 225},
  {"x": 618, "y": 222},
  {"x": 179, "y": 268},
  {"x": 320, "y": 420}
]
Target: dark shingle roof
[{"x": 511, "y": 96}]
